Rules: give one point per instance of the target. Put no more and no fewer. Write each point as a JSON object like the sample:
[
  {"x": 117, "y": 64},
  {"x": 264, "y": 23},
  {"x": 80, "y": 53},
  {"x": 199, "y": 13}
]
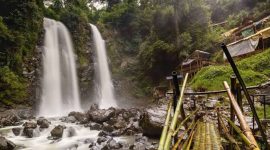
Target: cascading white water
[
  {"x": 60, "y": 93},
  {"x": 106, "y": 87}
]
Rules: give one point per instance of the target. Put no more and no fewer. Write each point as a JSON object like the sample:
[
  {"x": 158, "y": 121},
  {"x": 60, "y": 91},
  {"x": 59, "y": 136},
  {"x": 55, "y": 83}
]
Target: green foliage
[
  {"x": 20, "y": 24},
  {"x": 254, "y": 70},
  {"x": 12, "y": 87},
  {"x": 154, "y": 59}
]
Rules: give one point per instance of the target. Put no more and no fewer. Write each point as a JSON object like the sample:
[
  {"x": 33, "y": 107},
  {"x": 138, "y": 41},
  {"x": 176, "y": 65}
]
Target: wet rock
[
  {"x": 101, "y": 115},
  {"x": 94, "y": 148},
  {"x": 103, "y": 133},
  {"x": 104, "y": 147},
  {"x": 78, "y": 116},
  {"x": 25, "y": 113},
  {"x": 88, "y": 141},
  {"x": 120, "y": 124},
  {"x": 16, "y": 131},
  {"x": 114, "y": 145},
  {"x": 71, "y": 132},
  {"x": 152, "y": 124},
  {"x": 43, "y": 123},
  {"x": 91, "y": 145},
  {"x": 106, "y": 127},
  {"x": 32, "y": 125},
  {"x": 95, "y": 126},
  {"x": 6, "y": 144},
  {"x": 101, "y": 139},
  {"x": 210, "y": 104},
  {"x": 57, "y": 132},
  {"x": 9, "y": 118},
  {"x": 93, "y": 107},
  {"x": 28, "y": 132},
  {"x": 117, "y": 132},
  {"x": 28, "y": 129},
  {"x": 71, "y": 119}
]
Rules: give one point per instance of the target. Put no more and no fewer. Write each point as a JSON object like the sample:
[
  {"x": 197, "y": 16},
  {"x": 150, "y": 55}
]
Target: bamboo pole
[
  {"x": 189, "y": 141},
  {"x": 175, "y": 117},
  {"x": 165, "y": 128},
  {"x": 197, "y": 137},
  {"x": 226, "y": 132},
  {"x": 240, "y": 116},
  {"x": 182, "y": 135},
  {"x": 243, "y": 137},
  {"x": 183, "y": 122}
]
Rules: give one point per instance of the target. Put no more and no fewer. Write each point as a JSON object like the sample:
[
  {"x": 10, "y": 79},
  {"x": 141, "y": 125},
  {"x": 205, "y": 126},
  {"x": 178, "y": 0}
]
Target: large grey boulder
[
  {"x": 78, "y": 116},
  {"x": 57, "y": 132},
  {"x": 16, "y": 131},
  {"x": 28, "y": 129},
  {"x": 152, "y": 121},
  {"x": 100, "y": 115},
  {"x": 6, "y": 144},
  {"x": 43, "y": 123}
]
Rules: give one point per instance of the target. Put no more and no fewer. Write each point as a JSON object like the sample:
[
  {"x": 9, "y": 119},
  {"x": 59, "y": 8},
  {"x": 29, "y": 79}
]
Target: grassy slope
[{"x": 254, "y": 70}]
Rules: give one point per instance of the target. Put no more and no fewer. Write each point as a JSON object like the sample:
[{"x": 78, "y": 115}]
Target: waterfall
[
  {"x": 106, "y": 92},
  {"x": 60, "y": 93}
]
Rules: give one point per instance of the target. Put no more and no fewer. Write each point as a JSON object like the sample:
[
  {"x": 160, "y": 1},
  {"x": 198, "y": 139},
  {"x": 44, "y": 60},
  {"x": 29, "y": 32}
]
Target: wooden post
[
  {"x": 176, "y": 96},
  {"x": 264, "y": 110},
  {"x": 233, "y": 90},
  {"x": 239, "y": 96},
  {"x": 219, "y": 123},
  {"x": 245, "y": 127}
]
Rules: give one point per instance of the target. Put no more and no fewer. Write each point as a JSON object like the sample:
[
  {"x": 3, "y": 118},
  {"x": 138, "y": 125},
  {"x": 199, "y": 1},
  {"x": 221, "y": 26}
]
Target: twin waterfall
[
  {"x": 60, "y": 92},
  {"x": 106, "y": 95}
]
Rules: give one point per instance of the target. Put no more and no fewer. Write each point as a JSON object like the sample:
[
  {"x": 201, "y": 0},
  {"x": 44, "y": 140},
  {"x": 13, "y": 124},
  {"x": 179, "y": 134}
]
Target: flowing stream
[
  {"x": 75, "y": 137},
  {"x": 106, "y": 89},
  {"x": 60, "y": 93}
]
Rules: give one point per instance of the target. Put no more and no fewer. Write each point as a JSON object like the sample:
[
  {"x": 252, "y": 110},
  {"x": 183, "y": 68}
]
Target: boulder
[
  {"x": 95, "y": 126},
  {"x": 28, "y": 129},
  {"x": 71, "y": 132},
  {"x": 9, "y": 118},
  {"x": 152, "y": 124},
  {"x": 28, "y": 132},
  {"x": 16, "y": 131},
  {"x": 71, "y": 119},
  {"x": 103, "y": 133},
  {"x": 57, "y": 132},
  {"x": 100, "y": 115},
  {"x": 25, "y": 113},
  {"x": 93, "y": 107},
  {"x": 120, "y": 124},
  {"x": 114, "y": 145},
  {"x": 32, "y": 125},
  {"x": 6, "y": 144},
  {"x": 106, "y": 127},
  {"x": 43, "y": 123},
  {"x": 101, "y": 139},
  {"x": 78, "y": 116}
]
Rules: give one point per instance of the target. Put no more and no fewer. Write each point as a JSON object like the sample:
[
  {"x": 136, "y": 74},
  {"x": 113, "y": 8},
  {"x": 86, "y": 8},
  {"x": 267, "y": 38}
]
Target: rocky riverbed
[{"x": 95, "y": 129}]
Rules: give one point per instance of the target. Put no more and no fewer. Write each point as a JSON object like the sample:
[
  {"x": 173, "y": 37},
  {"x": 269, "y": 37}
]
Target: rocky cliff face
[
  {"x": 86, "y": 70},
  {"x": 32, "y": 71}
]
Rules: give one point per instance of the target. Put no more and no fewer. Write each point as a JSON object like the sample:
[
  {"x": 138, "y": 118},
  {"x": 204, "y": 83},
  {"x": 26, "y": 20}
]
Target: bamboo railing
[{"x": 245, "y": 127}]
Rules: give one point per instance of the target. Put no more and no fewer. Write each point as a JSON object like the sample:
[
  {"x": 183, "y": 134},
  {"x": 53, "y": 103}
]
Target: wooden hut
[{"x": 195, "y": 62}]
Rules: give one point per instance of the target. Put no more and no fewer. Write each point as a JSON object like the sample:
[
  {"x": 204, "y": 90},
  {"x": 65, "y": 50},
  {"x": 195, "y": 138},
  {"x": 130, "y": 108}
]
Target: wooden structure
[
  {"x": 250, "y": 45},
  {"x": 195, "y": 62}
]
